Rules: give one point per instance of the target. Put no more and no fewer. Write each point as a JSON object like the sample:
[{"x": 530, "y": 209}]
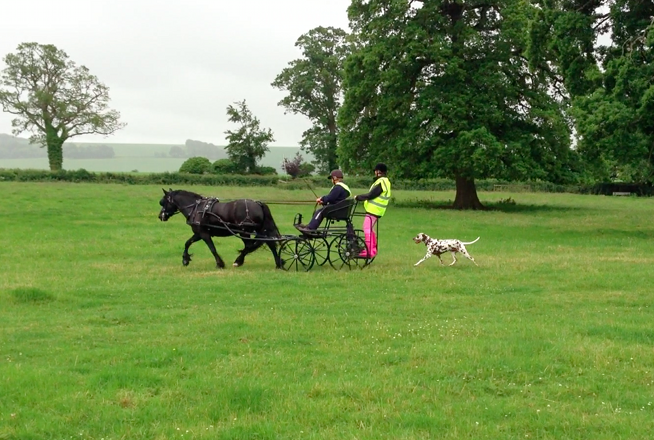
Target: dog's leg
[
  {"x": 453, "y": 258},
  {"x": 423, "y": 259},
  {"x": 467, "y": 255},
  {"x": 440, "y": 259}
]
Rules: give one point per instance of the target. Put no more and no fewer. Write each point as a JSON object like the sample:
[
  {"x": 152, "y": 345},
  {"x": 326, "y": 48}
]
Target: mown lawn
[{"x": 105, "y": 335}]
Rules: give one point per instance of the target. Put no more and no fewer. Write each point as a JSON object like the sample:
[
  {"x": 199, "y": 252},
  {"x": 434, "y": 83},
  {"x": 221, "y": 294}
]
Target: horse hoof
[
  {"x": 236, "y": 265},
  {"x": 185, "y": 263}
]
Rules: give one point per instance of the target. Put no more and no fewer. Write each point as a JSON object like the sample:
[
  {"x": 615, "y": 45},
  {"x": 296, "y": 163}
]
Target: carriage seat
[{"x": 339, "y": 211}]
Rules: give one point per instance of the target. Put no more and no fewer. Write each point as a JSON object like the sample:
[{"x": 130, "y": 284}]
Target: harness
[
  {"x": 201, "y": 208},
  {"x": 204, "y": 207}
]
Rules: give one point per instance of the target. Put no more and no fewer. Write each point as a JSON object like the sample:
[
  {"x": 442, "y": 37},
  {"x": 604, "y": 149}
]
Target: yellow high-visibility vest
[
  {"x": 346, "y": 188},
  {"x": 378, "y": 205}
]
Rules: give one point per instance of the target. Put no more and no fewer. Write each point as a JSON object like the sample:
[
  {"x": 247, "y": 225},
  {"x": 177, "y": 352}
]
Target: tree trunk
[
  {"x": 466, "y": 195},
  {"x": 54, "y": 143}
]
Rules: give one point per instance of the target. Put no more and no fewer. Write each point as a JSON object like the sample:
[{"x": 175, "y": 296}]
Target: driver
[{"x": 338, "y": 193}]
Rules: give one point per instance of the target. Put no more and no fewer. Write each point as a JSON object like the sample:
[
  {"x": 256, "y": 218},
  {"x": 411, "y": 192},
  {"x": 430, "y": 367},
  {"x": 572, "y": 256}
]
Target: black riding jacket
[
  {"x": 337, "y": 194},
  {"x": 373, "y": 194}
]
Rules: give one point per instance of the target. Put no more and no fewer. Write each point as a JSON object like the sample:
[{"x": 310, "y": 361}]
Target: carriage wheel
[
  {"x": 348, "y": 247},
  {"x": 297, "y": 254},
  {"x": 321, "y": 250}
]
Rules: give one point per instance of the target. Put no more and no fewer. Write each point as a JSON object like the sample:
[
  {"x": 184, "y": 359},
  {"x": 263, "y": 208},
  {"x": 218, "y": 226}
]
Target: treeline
[
  {"x": 72, "y": 151},
  {"x": 12, "y": 147},
  {"x": 194, "y": 148}
]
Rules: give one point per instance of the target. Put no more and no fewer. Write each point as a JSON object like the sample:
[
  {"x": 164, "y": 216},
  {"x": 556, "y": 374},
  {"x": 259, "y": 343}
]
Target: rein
[
  {"x": 278, "y": 202},
  {"x": 180, "y": 209}
]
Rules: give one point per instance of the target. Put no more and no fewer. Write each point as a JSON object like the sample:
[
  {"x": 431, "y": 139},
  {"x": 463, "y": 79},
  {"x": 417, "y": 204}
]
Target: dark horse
[{"x": 209, "y": 217}]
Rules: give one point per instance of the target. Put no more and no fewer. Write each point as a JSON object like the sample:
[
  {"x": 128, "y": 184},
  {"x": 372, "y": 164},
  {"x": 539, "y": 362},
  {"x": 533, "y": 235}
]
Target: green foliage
[
  {"x": 19, "y": 175},
  {"x": 265, "y": 171},
  {"x": 444, "y": 90},
  {"x": 611, "y": 86},
  {"x": 306, "y": 169},
  {"x": 314, "y": 86},
  {"x": 225, "y": 166},
  {"x": 249, "y": 143},
  {"x": 54, "y": 99},
  {"x": 196, "y": 165}
]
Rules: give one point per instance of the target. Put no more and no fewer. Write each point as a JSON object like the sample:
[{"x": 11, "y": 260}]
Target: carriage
[{"x": 336, "y": 241}]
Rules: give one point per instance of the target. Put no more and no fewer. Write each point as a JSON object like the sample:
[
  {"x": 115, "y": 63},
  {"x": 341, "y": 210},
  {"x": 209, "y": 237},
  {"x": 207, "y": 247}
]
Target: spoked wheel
[
  {"x": 345, "y": 251},
  {"x": 320, "y": 250},
  {"x": 297, "y": 254}
]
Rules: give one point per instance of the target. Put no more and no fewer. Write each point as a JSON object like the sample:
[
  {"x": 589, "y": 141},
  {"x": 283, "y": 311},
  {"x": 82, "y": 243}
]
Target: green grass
[
  {"x": 105, "y": 335},
  {"x": 141, "y": 157}
]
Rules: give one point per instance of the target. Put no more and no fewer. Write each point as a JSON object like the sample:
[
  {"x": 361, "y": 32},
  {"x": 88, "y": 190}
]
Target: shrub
[
  {"x": 306, "y": 169},
  {"x": 265, "y": 171},
  {"x": 225, "y": 166},
  {"x": 196, "y": 165},
  {"x": 296, "y": 167}
]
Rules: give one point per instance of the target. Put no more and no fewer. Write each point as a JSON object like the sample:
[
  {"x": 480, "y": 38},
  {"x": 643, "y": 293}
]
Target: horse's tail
[{"x": 269, "y": 222}]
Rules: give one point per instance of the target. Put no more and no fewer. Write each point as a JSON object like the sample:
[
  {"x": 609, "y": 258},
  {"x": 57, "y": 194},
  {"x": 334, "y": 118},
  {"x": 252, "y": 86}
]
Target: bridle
[{"x": 178, "y": 209}]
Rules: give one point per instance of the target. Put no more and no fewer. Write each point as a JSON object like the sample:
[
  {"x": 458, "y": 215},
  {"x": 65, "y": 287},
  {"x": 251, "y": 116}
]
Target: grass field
[
  {"x": 105, "y": 335},
  {"x": 141, "y": 157}
]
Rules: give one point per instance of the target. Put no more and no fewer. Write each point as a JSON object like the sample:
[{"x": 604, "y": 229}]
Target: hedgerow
[{"x": 175, "y": 178}]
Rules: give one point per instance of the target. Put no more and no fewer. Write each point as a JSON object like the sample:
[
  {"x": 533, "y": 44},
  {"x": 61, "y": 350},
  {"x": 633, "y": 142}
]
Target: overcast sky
[{"x": 174, "y": 66}]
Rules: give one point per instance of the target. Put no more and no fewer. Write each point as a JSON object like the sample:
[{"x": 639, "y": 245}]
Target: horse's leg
[
  {"x": 186, "y": 257},
  {"x": 273, "y": 248},
  {"x": 206, "y": 237},
  {"x": 249, "y": 245}
]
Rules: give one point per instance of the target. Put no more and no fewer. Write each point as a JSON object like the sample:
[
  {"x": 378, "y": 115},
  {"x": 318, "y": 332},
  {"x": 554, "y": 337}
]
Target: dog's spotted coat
[{"x": 438, "y": 247}]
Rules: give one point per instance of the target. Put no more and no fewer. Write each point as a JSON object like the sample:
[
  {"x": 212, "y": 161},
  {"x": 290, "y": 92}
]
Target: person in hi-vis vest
[
  {"x": 375, "y": 204},
  {"x": 339, "y": 192}
]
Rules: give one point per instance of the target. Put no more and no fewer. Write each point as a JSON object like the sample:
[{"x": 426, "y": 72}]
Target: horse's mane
[{"x": 183, "y": 192}]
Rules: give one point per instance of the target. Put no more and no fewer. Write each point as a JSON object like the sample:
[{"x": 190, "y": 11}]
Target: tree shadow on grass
[{"x": 505, "y": 205}]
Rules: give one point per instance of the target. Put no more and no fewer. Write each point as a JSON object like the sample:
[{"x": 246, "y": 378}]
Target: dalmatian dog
[{"x": 438, "y": 247}]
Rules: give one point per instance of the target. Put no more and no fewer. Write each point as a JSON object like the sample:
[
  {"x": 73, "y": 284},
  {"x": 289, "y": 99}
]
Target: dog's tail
[{"x": 474, "y": 241}]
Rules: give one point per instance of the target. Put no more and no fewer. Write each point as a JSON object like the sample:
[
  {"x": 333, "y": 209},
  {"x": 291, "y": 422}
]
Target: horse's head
[{"x": 168, "y": 206}]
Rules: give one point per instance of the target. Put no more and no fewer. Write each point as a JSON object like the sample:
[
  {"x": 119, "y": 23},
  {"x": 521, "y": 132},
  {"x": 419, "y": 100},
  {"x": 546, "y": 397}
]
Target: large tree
[
  {"x": 314, "y": 88},
  {"x": 54, "y": 99},
  {"x": 247, "y": 145},
  {"x": 604, "y": 52},
  {"x": 442, "y": 88}
]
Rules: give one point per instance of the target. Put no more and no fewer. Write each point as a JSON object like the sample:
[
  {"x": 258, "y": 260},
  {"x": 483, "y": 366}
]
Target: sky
[{"x": 174, "y": 66}]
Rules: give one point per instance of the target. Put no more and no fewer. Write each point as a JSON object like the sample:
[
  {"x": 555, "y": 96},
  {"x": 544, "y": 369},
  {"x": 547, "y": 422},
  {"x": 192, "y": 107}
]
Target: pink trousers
[{"x": 369, "y": 231}]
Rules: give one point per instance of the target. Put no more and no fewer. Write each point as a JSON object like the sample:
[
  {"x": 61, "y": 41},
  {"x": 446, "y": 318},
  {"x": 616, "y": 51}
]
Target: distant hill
[
  {"x": 12, "y": 147},
  {"x": 16, "y": 152}
]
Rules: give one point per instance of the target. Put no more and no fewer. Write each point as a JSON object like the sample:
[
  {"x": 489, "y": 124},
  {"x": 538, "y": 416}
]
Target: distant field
[{"x": 141, "y": 157}]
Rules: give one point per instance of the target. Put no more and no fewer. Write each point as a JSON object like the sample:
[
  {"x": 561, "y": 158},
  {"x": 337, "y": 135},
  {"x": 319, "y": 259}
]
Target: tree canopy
[
  {"x": 441, "y": 88},
  {"x": 54, "y": 99},
  {"x": 610, "y": 81},
  {"x": 314, "y": 87},
  {"x": 249, "y": 143}
]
